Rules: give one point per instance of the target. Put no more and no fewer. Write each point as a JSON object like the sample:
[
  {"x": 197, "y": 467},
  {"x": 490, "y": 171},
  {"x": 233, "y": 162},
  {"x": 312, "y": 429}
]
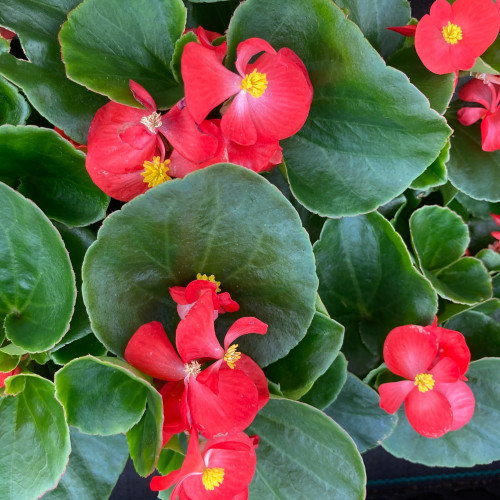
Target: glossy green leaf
[
  {"x": 94, "y": 466},
  {"x": 77, "y": 349},
  {"x": 8, "y": 362},
  {"x": 35, "y": 439},
  {"x": 369, "y": 285},
  {"x": 356, "y": 409},
  {"x": 37, "y": 286},
  {"x": 440, "y": 238},
  {"x": 104, "y": 45},
  {"x": 490, "y": 259},
  {"x": 169, "y": 461},
  {"x": 470, "y": 169},
  {"x": 437, "y": 88},
  {"x": 52, "y": 173},
  {"x": 309, "y": 359},
  {"x": 369, "y": 134},
  {"x": 102, "y": 395},
  {"x": 435, "y": 174},
  {"x": 304, "y": 454},
  {"x": 374, "y": 16},
  {"x": 492, "y": 55},
  {"x": 175, "y": 63},
  {"x": 43, "y": 78},
  {"x": 449, "y": 309},
  {"x": 13, "y": 106},
  {"x": 328, "y": 386},
  {"x": 213, "y": 16},
  {"x": 478, "y": 442},
  {"x": 481, "y": 332},
  {"x": 237, "y": 227}
]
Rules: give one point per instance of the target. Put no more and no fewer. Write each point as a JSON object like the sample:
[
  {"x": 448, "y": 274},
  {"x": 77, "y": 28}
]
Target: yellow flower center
[
  {"x": 192, "y": 369},
  {"x": 211, "y": 278},
  {"x": 231, "y": 356},
  {"x": 425, "y": 382},
  {"x": 212, "y": 478},
  {"x": 155, "y": 172},
  {"x": 152, "y": 122},
  {"x": 452, "y": 33},
  {"x": 254, "y": 83}
]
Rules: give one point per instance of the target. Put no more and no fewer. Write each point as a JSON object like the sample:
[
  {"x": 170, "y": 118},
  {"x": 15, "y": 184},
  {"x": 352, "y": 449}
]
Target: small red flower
[
  {"x": 451, "y": 37},
  {"x": 185, "y": 297},
  {"x": 6, "y": 375},
  {"x": 271, "y": 96},
  {"x": 221, "y": 470},
  {"x": 486, "y": 93},
  {"x": 432, "y": 359}
]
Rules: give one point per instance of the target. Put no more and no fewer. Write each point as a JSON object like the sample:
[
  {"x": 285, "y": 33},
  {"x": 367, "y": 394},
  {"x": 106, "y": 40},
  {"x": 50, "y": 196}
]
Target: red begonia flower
[
  {"x": 436, "y": 401},
  {"x": 487, "y": 94},
  {"x": 6, "y": 375},
  {"x": 185, "y": 297},
  {"x": 126, "y": 154},
  {"x": 206, "y": 39},
  {"x": 221, "y": 470},
  {"x": 271, "y": 97},
  {"x": 451, "y": 37}
]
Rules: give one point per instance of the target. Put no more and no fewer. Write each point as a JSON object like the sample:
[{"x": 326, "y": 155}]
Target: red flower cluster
[
  {"x": 131, "y": 150},
  {"x": 434, "y": 361},
  {"x": 220, "y": 399},
  {"x": 486, "y": 92}
]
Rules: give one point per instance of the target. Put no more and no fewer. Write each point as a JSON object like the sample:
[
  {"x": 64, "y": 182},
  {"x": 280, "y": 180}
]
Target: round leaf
[
  {"x": 52, "y": 173},
  {"x": 35, "y": 439},
  {"x": 304, "y": 454},
  {"x": 478, "y": 442},
  {"x": 369, "y": 133},
  {"x": 13, "y": 106},
  {"x": 37, "y": 283},
  {"x": 223, "y": 220},
  {"x": 104, "y": 45}
]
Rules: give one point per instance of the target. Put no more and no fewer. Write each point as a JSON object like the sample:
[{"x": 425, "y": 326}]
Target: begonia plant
[{"x": 242, "y": 244}]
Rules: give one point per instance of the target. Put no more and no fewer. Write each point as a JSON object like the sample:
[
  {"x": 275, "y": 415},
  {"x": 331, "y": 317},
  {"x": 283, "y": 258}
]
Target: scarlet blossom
[
  {"x": 217, "y": 400},
  {"x": 6, "y": 375},
  {"x": 451, "y": 37},
  {"x": 487, "y": 94},
  {"x": 271, "y": 97},
  {"x": 126, "y": 153},
  {"x": 432, "y": 359},
  {"x": 185, "y": 297},
  {"x": 207, "y": 38},
  {"x": 221, "y": 470}
]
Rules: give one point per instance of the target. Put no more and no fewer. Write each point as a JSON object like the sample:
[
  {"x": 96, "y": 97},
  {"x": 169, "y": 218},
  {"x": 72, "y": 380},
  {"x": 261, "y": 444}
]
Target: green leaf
[
  {"x": 374, "y": 16},
  {"x": 101, "y": 396},
  {"x": 106, "y": 45},
  {"x": 437, "y": 88},
  {"x": 13, "y": 106},
  {"x": 238, "y": 227},
  {"x": 94, "y": 466},
  {"x": 304, "y": 454},
  {"x": 357, "y": 411},
  {"x": 36, "y": 283},
  {"x": 213, "y": 16},
  {"x": 175, "y": 63},
  {"x": 35, "y": 439},
  {"x": 492, "y": 55},
  {"x": 470, "y": 169},
  {"x": 43, "y": 78},
  {"x": 435, "y": 174},
  {"x": 368, "y": 284},
  {"x": 52, "y": 173},
  {"x": 490, "y": 259},
  {"x": 312, "y": 356},
  {"x": 440, "y": 238},
  {"x": 328, "y": 386},
  {"x": 7, "y": 362},
  {"x": 369, "y": 133},
  {"x": 63, "y": 354},
  {"x": 478, "y": 442},
  {"x": 169, "y": 461}
]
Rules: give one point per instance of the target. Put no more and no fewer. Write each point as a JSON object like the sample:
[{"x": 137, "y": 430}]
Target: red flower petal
[
  {"x": 429, "y": 413},
  {"x": 150, "y": 351},
  {"x": 7, "y": 34},
  {"x": 142, "y": 96},
  {"x": 476, "y": 91},
  {"x": 226, "y": 303},
  {"x": 496, "y": 218},
  {"x": 410, "y": 350},
  {"x": 196, "y": 288},
  {"x": 178, "y": 294},
  {"x": 236, "y": 122},
  {"x": 5, "y": 375},
  {"x": 173, "y": 419},
  {"x": 249, "y": 48},
  {"x": 462, "y": 402},
  {"x": 446, "y": 371},
  {"x": 243, "y": 326},
  {"x": 490, "y": 131},
  {"x": 468, "y": 116},
  {"x": 393, "y": 394},
  {"x": 257, "y": 157},
  {"x": 452, "y": 345},
  {"x": 230, "y": 411},
  {"x": 195, "y": 336},
  {"x": 137, "y": 137},
  {"x": 408, "y": 30}
]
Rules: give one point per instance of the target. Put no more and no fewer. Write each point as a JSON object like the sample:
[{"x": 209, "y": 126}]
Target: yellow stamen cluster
[
  {"x": 425, "y": 382},
  {"x": 212, "y": 478},
  {"x": 232, "y": 356},
  {"x": 192, "y": 369},
  {"x": 452, "y": 33},
  {"x": 254, "y": 83},
  {"x": 152, "y": 122},
  {"x": 155, "y": 172},
  {"x": 211, "y": 278}
]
